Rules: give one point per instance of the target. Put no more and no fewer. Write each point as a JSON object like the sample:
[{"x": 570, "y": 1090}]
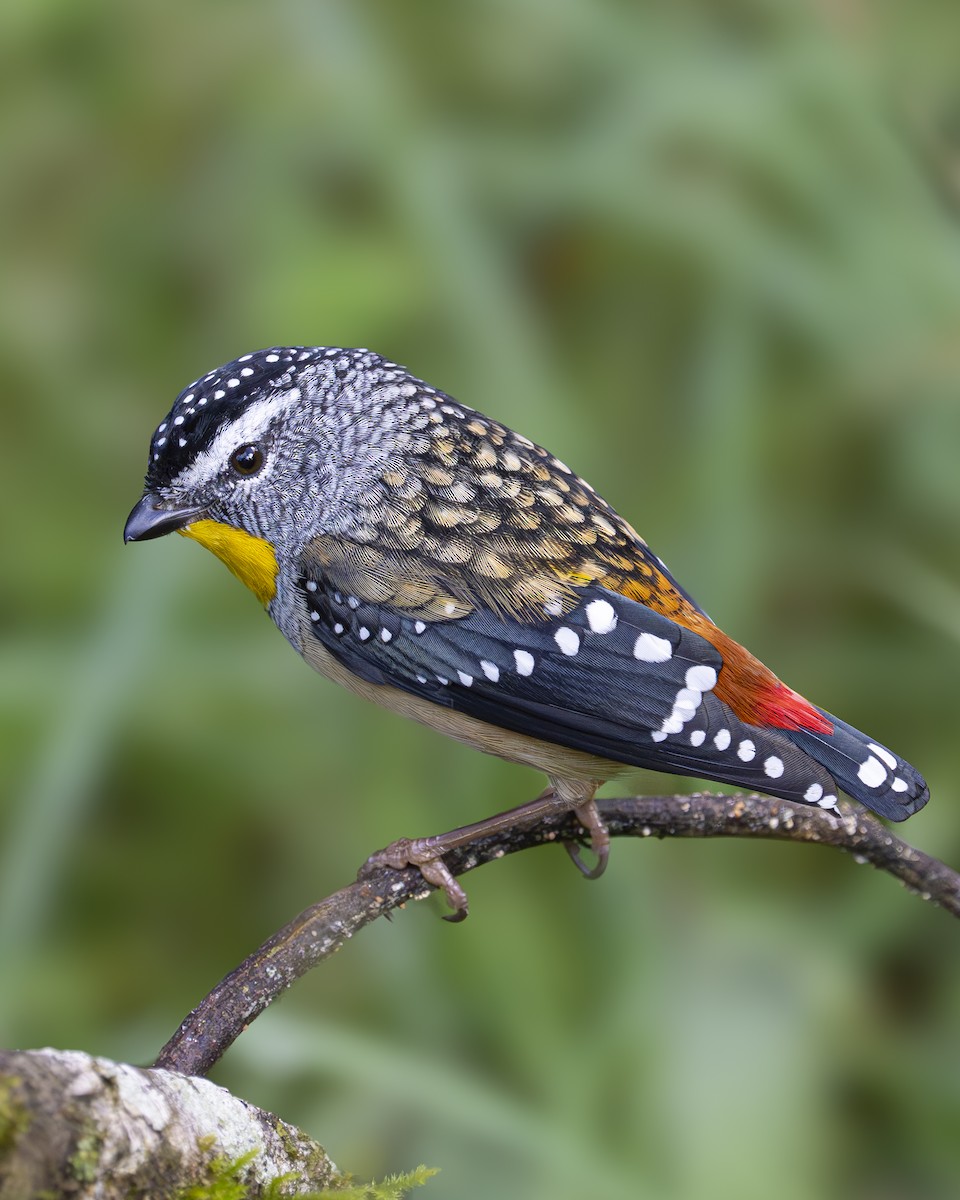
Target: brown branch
[{"x": 317, "y": 932}]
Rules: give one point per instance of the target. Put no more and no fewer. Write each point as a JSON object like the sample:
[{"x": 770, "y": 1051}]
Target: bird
[{"x": 435, "y": 562}]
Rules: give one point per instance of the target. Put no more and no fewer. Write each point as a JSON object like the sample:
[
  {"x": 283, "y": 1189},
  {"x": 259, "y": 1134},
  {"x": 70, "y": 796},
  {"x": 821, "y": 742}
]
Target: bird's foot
[
  {"x": 589, "y": 817},
  {"x": 424, "y": 854},
  {"x": 427, "y": 853}
]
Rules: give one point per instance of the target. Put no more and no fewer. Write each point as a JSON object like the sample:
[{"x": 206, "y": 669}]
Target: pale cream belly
[{"x": 558, "y": 762}]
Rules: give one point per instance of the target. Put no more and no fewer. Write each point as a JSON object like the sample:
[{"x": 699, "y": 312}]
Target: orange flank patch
[{"x": 752, "y": 690}]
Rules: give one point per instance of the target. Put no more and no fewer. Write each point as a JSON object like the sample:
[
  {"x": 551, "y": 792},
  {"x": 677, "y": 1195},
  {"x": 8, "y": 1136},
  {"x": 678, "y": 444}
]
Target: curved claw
[
  {"x": 598, "y": 868},
  {"x": 589, "y": 817}
]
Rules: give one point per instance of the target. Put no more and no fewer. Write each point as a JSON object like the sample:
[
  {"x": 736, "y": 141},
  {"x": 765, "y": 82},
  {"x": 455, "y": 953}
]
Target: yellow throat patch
[{"x": 250, "y": 558}]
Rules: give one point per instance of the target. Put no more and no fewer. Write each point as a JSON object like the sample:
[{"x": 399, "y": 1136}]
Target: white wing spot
[
  {"x": 465, "y": 679},
  {"x": 314, "y": 616},
  {"x": 884, "y": 753},
  {"x": 813, "y": 793},
  {"x": 828, "y": 801},
  {"x": 658, "y": 735},
  {"x": 491, "y": 670},
  {"x": 311, "y": 585},
  {"x": 687, "y": 702},
  {"x": 721, "y": 739},
  {"x": 746, "y": 751},
  {"x": 567, "y": 640},
  {"x": 385, "y": 635},
  {"x": 418, "y": 626},
  {"x": 872, "y": 772},
  {"x": 773, "y": 767},
  {"x": 363, "y": 633},
  {"x": 524, "y": 661},
  {"x": 698, "y": 737},
  {"x": 701, "y": 678},
  {"x": 685, "y": 705},
  {"x": 601, "y": 616},
  {"x": 553, "y": 608},
  {"x": 900, "y": 785},
  {"x": 650, "y": 648}
]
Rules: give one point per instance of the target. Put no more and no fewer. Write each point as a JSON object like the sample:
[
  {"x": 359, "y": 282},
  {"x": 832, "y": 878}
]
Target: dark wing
[{"x": 610, "y": 677}]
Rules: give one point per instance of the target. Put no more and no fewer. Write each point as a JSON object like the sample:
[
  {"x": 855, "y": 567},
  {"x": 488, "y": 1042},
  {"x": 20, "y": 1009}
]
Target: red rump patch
[
  {"x": 784, "y": 708},
  {"x": 754, "y": 693},
  {"x": 752, "y": 690}
]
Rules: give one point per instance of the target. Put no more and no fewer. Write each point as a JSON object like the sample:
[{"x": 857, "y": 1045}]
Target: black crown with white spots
[{"x": 209, "y": 402}]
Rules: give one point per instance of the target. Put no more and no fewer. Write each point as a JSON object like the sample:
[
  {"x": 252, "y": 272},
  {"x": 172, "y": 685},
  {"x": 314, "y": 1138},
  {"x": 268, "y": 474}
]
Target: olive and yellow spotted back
[{"x": 470, "y": 513}]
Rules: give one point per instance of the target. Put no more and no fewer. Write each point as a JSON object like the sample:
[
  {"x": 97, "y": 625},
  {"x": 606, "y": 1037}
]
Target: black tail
[{"x": 865, "y": 770}]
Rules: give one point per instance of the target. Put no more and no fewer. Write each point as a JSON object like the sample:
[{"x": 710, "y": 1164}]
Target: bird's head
[{"x": 259, "y": 455}]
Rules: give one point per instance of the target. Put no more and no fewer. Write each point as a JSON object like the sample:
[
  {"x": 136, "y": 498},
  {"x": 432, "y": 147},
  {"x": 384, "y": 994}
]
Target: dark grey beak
[{"x": 149, "y": 520}]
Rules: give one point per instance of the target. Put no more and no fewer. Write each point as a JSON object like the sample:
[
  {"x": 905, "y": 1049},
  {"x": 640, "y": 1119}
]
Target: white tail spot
[
  {"x": 884, "y": 753},
  {"x": 873, "y": 773}
]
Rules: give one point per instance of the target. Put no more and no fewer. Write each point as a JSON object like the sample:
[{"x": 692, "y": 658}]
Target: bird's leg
[{"x": 427, "y": 853}]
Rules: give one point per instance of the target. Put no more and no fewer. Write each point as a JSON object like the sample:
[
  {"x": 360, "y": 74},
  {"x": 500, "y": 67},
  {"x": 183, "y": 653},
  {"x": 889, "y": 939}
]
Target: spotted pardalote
[{"x": 435, "y": 562}]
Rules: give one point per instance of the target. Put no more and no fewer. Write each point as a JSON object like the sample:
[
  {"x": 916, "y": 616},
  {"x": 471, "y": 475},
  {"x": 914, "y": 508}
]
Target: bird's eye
[{"x": 247, "y": 460}]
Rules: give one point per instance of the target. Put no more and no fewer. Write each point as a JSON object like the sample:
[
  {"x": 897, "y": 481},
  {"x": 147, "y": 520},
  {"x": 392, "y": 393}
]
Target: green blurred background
[{"x": 709, "y": 254}]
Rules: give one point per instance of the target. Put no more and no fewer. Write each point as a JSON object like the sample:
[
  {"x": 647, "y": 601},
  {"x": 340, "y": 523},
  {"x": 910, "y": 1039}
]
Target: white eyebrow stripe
[{"x": 247, "y": 428}]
